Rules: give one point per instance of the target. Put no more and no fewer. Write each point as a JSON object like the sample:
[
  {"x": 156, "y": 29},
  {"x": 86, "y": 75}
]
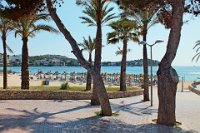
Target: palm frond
[
  {"x": 148, "y": 15},
  {"x": 154, "y": 19},
  {"x": 32, "y": 35},
  {"x": 113, "y": 41},
  {"x": 153, "y": 22},
  {"x": 106, "y": 14},
  {"x": 122, "y": 29},
  {"x": 81, "y": 2},
  {"x": 197, "y": 55},
  {"x": 112, "y": 38},
  {"x": 197, "y": 50},
  {"x": 28, "y": 26},
  {"x": 91, "y": 18},
  {"x": 18, "y": 32},
  {"x": 44, "y": 17},
  {"x": 108, "y": 18},
  {"x": 9, "y": 49},
  {"x": 90, "y": 9},
  {"x": 6, "y": 25},
  {"x": 120, "y": 52},
  {"x": 91, "y": 12},
  {"x": 44, "y": 28},
  {"x": 88, "y": 21},
  {"x": 197, "y": 44},
  {"x": 88, "y": 44},
  {"x": 136, "y": 16}
]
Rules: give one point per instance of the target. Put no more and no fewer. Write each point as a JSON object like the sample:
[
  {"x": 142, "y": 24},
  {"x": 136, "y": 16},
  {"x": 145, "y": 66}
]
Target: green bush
[{"x": 65, "y": 86}]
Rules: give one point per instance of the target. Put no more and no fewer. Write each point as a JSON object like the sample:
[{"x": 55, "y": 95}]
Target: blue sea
[{"x": 190, "y": 73}]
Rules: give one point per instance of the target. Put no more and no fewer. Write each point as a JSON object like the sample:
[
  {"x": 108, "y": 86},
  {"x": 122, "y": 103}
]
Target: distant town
[{"x": 58, "y": 60}]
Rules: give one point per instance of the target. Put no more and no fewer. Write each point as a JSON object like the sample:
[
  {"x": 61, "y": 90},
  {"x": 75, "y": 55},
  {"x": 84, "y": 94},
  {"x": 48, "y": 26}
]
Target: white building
[{"x": 17, "y": 58}]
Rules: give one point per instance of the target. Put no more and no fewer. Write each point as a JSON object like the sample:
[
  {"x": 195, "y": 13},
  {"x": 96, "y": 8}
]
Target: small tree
[
  {"x": 146, "y": 16},
  {"x": 26, "y": 28},
  {"x": 123, "y": 30},
  {"x": 89, "y": 46},
  {"x": 97, "y": 13},
  {"x": 5, "y": 27}
]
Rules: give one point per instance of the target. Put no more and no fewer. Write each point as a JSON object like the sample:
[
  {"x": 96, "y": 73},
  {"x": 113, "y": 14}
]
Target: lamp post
[{"x": 151, "y": 51}]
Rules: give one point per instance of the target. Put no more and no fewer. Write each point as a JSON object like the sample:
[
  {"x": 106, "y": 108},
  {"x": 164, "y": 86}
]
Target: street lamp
[{"x": 143, "y": 43}]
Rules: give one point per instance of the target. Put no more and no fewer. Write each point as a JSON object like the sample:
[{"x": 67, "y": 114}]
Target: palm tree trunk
[
  {"x": 167, "y": 76},
  {"x": 123, "y": 67},
  {"x": 97, "y": 60},
  {"x": 4, "y": 61},
  {"x": 89, "y": 78},
  {"x": 145, "y": 67},
  {"x": 101, "y": 91},
  {"x": 102, "y": 94},
  {"x": 25, "y": 70}
]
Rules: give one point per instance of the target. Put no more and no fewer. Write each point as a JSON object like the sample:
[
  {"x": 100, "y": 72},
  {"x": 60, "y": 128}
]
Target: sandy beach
[{"x": 15, "y": 80}]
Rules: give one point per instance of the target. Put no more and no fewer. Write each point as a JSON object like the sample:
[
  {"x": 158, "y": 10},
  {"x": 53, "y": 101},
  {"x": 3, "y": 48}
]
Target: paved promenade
[{"x": 134, "y": 116}]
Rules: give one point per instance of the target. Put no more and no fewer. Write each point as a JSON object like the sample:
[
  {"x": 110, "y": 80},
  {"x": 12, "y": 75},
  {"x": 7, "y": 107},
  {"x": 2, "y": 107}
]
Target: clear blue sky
[{"x": 48, "y": 43}]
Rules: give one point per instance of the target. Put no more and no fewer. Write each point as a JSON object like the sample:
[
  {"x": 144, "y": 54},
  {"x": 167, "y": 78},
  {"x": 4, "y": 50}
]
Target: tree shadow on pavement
[
  {"x": 60, "y": 101},
  {"x": 137, "y": 108},
  {"x": 34, "y": 114},
  {"x": 94, "y": 124}
]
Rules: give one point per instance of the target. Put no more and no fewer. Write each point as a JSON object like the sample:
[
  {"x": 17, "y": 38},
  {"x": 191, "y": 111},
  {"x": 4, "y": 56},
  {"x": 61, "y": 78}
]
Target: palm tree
[
  {"x": 145, "y": 18},
  {"x": 26, "y": 28},
  {"x": 5, "y": 27},
  {"x": 88, "y": 45},
  {"x": 101, "y": 90},
  {"x": 197, "y": 55},
  {"x": 167, "y": 75},
  {"x": 97, "y": 13},
  {"x": 123, "y": 30}
]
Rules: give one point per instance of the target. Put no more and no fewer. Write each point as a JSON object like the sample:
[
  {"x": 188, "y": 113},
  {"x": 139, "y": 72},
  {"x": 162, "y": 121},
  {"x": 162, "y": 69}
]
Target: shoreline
[{"x": 189, "y": 73}]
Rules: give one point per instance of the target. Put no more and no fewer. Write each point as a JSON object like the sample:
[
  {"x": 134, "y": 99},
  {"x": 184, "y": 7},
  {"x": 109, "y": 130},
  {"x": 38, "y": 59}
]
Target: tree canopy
[{"x": 26, "y": 7}]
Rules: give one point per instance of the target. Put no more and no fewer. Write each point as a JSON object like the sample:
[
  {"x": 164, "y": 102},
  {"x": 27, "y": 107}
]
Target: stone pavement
[{"x": 135, "y": 116}]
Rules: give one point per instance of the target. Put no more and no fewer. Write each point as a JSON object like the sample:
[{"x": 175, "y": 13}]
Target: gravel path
[{"x": 135, "y": 116}]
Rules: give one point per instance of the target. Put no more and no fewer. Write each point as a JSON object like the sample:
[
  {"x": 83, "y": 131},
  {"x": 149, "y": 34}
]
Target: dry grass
[{"x": 71, "y": 88}]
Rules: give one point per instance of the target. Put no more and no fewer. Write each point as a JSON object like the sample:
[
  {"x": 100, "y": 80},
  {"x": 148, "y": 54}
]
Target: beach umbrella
[
  {"x": 48, "y": 73},
  {"x": 65, "y": 74},
  {"x": 39, "y": 73},
  {"x": 56, "y": 73},
  {"x": 73, "y": 75}
]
